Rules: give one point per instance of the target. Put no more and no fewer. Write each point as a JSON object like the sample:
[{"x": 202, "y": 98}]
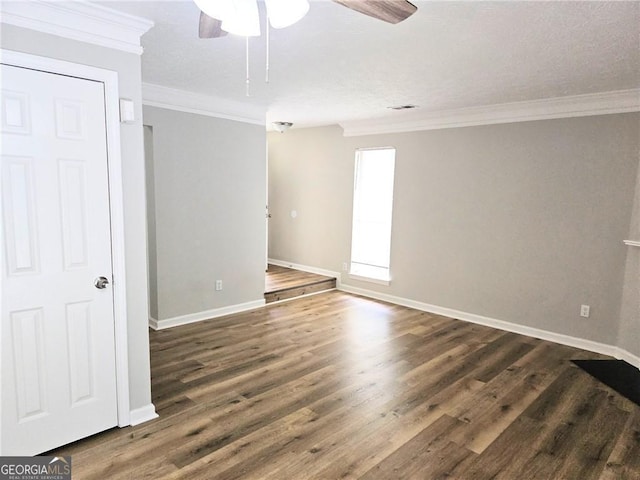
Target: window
[{"x": 372, "y": 206}]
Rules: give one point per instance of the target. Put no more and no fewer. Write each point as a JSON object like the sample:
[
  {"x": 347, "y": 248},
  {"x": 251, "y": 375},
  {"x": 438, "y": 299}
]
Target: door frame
[{"x": 116, "y": 201}]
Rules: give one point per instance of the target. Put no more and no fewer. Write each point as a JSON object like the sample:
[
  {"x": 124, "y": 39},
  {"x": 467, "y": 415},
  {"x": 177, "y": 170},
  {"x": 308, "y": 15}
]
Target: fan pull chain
[
  {"x": 266, "y": 74},
  {"x": 247, "y": 58}
]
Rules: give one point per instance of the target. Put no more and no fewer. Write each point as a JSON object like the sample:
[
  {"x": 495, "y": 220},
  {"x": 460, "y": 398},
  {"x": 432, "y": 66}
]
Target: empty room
[{"x": 320, "y": 239}]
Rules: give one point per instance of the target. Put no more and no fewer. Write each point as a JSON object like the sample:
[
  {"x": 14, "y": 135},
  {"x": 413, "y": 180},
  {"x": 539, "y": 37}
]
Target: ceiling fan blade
[
  {"x": 210, "y": 27},
  {"x": 391, "y": 11}
]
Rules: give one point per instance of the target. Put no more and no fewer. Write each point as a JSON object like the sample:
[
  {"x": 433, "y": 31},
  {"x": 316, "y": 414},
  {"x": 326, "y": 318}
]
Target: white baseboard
[
  {"x": 206, "y": 315},
  {"x": 628, "y": 357},
  {"x": 143, "y": 414},
  {"x": 560, "y": 338},
  {"x": 306, "y": 268}
]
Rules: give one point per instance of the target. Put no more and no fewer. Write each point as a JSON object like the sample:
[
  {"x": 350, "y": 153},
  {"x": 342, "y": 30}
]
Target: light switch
[{"x": 127, "y": 113}]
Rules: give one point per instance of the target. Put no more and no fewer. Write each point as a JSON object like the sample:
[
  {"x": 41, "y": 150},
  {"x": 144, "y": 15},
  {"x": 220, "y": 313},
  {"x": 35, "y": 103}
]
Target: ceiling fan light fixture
[
  {"x": 243, "y": 18},
  {"x": 282, "y": 126},
  {"x": 283, "y": 14}
]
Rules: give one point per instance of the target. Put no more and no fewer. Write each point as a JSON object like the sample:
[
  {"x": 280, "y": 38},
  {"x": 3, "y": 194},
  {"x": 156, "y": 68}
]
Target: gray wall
[
  {"x": 210, "y": 184},
  {"x": 151, "y": 222},
  {"x": 629, "y": 337},
  {"x": 520, "y": 222},
  {"x": 128, "y": 67}
]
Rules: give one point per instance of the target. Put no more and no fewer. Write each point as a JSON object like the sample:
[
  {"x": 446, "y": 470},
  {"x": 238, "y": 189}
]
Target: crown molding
[
  {"x": 620, "y": 101},
  {"x": 189, "y": 102},
  {"x": 78, "y": 20}
]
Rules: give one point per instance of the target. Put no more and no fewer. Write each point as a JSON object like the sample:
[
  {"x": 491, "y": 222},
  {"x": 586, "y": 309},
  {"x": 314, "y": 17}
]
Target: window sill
[{"x": 378, "y": 281}]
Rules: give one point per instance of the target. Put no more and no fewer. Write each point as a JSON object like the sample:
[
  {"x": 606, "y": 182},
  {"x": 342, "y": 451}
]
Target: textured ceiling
[{"x": 337, "y": 65}]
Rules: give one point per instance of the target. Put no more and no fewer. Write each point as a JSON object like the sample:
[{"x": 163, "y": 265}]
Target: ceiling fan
[{"x": 219, "y": 17}]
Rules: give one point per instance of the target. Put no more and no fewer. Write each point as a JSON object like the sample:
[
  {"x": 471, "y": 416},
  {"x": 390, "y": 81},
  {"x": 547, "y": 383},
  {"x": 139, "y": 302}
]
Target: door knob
[{"x": 101, "y": 282}]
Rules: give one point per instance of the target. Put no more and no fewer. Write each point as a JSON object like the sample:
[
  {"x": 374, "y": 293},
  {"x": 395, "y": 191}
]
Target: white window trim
[{"x": 377, "y": 281}]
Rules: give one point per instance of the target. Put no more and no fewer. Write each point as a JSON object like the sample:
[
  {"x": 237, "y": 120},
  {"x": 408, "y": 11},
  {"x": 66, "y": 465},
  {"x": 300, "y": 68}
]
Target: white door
[{"x": 58, "y": 344}]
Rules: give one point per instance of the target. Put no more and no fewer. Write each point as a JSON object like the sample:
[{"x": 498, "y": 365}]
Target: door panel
[
  {"x": 58, "y": 344},
  {"x": 28, "y": 359},
  {"x": 72, "y": 177},
  {"x": 19, "y": 221},
  {"x": 81, "y": 372}
]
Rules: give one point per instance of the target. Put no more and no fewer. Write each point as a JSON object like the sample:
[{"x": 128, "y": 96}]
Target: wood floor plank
[
  {"x": 243, "y": 418},
  {"x": 430, "y": 453},
  {"x": 560, "y": 441},
  {"x": 256, "y": 449},
  {"x": 595, "y": 443},
  {"x": 494, "y": 408},
  {"x": 624, "y": 461},
  {"x": 367, "y": 431},
  {"x": 365, "y": 392},
  {"x": 503, "y": 456},
  {"x": 336, "y": 386},
  {"x": 498, "y": 403}
]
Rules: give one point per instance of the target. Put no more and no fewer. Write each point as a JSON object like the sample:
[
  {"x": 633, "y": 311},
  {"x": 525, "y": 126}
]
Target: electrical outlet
[
  {"x": 218, "y": 285},
  {"x": 345, "y": 267},
  {"x": 584, "y": 311}
]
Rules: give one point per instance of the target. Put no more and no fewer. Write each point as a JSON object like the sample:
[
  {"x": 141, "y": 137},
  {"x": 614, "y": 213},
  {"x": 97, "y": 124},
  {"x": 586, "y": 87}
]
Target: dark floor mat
[{"x": 617, "y": 374}]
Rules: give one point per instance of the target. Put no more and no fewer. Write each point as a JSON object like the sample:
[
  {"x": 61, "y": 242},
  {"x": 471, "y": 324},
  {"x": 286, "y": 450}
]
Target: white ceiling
[{"x": 337, "y": 65}]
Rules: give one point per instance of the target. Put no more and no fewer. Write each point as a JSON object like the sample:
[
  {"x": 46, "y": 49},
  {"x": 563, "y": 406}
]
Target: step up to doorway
[{"x": 286, "y": 283}]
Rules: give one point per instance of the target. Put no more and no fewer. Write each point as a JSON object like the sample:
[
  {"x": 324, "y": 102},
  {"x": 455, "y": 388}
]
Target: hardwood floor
[
  {"x": 284, "y": 283},
  {"x": 336, "y": 386}
]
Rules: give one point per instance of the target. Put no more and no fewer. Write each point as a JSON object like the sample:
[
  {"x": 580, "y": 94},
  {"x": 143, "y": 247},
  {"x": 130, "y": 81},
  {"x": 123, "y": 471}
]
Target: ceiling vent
[{"x": 403, "y": 107}]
